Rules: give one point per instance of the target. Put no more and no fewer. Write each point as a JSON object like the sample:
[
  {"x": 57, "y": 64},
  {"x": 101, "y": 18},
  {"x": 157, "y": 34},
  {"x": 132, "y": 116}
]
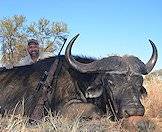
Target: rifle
[
  {"x": 44, "y": 84},
  {"x": 47, "y": 77}
]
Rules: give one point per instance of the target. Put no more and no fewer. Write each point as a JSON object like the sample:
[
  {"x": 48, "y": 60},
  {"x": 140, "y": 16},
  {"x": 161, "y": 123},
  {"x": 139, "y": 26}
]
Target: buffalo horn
[
  {"x": 151, "y": 63},
  {"x": 84, "y": 68}
]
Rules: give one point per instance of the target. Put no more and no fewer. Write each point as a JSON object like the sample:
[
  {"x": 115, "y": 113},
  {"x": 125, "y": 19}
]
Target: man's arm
[
  {"x": 44, "y": 55},
  {"x": 24, "y": 61}
]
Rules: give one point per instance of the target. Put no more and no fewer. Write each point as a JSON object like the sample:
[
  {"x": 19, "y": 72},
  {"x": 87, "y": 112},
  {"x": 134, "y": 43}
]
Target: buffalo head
[{"x": 120, "y": 76}]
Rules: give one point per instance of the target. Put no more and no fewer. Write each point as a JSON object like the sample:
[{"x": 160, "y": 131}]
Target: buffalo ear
[{"x": 93, "y": 92}]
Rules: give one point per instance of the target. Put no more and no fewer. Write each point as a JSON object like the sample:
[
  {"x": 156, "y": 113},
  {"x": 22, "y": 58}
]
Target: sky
[{"x": 106, "y": 27}]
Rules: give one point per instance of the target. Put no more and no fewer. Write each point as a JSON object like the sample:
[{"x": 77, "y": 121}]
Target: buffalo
[
  {"x": 81, "y": 85},
  {"x": 120, "y": 78}
]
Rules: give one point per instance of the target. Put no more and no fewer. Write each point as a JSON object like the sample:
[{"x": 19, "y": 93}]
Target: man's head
[{"x": 33, "y": 48}]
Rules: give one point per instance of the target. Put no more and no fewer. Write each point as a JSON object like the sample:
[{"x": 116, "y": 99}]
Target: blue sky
[{"x": 106, "y": 27}]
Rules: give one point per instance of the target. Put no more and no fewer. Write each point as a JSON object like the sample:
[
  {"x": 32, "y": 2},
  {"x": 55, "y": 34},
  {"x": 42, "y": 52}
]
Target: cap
[{"x": 31, "y": 41}]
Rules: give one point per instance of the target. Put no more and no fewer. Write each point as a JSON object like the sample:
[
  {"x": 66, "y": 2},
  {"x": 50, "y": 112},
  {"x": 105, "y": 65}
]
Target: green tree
[
  {"x": 14, "y": 33},
  {"x": 48, "y": 34},
  {"x": 11, "y": 34}
]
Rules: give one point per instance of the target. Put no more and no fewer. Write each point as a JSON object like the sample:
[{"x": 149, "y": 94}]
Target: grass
[
  {"x": 152, "y": 117},
  {"x": 153, "y": 103}
]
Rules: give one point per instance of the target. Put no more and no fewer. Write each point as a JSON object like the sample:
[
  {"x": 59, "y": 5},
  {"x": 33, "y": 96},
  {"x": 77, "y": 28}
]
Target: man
[{"x": 33, "y": 53}]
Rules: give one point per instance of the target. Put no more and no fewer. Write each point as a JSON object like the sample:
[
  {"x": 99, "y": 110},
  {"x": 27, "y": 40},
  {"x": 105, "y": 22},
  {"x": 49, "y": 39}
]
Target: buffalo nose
[{"x": 133, "y": 111}]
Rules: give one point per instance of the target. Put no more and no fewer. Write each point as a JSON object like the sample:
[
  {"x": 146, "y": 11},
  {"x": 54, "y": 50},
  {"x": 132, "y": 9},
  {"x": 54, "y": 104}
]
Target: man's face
[{"x": 33, "y": 49}]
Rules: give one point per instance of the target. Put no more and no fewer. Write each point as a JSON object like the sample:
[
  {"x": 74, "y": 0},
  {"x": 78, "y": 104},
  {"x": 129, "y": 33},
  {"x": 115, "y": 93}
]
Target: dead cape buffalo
[{"x": 79, "y": 77}]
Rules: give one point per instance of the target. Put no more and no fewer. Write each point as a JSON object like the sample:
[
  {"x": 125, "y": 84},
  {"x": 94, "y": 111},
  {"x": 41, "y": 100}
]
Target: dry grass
[
  {"x": 153, "y": 103},
  {"x": 56, "y": 123},
  {"x": 153, "y": 117}
]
